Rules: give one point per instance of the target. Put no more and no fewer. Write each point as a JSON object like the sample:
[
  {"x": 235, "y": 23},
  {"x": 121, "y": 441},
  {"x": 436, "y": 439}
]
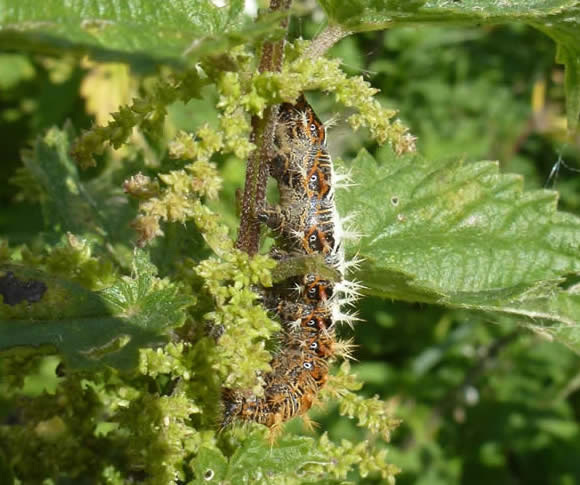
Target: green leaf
[
  {"x": 360, "y": 15},
  {"x": 89, "y": 328},
  {"x": 209, "y": 466},
  {"x": 544, "y": 308},
  {"x": 142, "y": 32},
  {"x": 69, "y": 205},
  {"x": 257, "y": 461},
  {"x": 559, "y": 19},
  {"x": 256, "y": 458},
  {"x": 567, "y": 38},
  {"x": 464, "y": 235}
]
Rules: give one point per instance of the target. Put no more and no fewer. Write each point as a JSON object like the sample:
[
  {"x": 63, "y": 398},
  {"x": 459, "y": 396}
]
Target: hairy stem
[
  {"x": 262, "y": 136},
  {"x": 327, "y": 38}
]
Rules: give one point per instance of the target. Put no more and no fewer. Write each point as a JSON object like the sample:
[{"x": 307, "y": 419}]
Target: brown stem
[{"x": 262, "y": 136}]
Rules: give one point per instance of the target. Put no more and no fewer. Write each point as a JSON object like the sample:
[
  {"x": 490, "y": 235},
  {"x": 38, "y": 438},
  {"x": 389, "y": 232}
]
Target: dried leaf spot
[{"x": 15, "y": 290}]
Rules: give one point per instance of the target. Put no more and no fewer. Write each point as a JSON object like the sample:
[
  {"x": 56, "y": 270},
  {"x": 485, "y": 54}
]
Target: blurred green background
[{"x": 481, "y": 401}]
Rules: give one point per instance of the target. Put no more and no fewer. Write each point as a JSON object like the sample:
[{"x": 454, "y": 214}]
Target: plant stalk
[
  {"x": 325, "y": 40},
  {"x": 262, "y": 136}
]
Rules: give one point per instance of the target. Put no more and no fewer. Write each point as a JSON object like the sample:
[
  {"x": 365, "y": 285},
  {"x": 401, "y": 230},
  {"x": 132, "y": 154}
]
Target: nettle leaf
[
  {"x": 564, "y": 28},
  {"x": 210, "y": 466},
  {"x": 464, "y": 235},
  {"x": 69, "y": 205},
  {"x": 141, "y": 32},
  {"x": 256, "y": 458},
  {"x": 66, "y": 204},
  {"x": 89, "y": 328},
  {"x": 559, "y": 19}
]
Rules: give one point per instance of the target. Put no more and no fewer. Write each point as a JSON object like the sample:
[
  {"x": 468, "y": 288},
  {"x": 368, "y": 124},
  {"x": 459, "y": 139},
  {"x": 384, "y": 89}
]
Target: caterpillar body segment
[
  {"x": 290, "y": 390},
  {"x": 303, "y": 174}
]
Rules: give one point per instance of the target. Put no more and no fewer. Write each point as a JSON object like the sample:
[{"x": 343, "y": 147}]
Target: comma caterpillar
[{"x": 305, "y": 222}]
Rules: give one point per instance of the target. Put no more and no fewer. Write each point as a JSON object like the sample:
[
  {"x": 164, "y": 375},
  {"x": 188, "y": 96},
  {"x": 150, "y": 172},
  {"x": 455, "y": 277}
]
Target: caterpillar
[{"x": 305, "y": 222}]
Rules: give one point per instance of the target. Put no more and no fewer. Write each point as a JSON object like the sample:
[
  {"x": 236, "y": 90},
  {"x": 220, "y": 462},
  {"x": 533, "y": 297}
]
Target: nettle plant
[{"x": 138, "y": 305}]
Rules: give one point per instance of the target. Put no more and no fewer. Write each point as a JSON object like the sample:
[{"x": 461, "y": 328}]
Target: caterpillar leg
[
  {"x": 271, "y": 215},
  {"x": 282, "y": 220}
]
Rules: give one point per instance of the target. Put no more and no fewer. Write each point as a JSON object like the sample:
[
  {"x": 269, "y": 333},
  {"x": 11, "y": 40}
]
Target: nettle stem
[
  {"x": 262, "y": 136},
  {"x": 325, "y": 40}
]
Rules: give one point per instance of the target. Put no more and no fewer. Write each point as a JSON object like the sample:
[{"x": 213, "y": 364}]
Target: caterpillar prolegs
[{"x": 309, "y": 307}]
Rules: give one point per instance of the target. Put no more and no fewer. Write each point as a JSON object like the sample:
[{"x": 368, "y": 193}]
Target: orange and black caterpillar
[{"x": 305, "y": 222}]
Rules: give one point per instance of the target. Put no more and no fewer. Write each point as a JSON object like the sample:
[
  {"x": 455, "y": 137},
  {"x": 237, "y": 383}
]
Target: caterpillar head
[{"x": 300, "y": 123}]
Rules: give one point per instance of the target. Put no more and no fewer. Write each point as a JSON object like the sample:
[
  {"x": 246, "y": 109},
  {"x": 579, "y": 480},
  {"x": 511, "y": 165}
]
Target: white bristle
[
  {"x": 343, "y": 180},
  {"x": 350, "y": 234},
  {"x": 344, "y": 349},
  {"x": 332, "y": 121},
  {"x": 297, "y": 234},
  {"x": 301, "y": 170},
  {"x": 348, "y": 292},
  {"x": 353, "y": 264},
  {"x": 295, "y": 325},
  {"x": 349, "y": 231},
  {"x": 346, "y": 317}
]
